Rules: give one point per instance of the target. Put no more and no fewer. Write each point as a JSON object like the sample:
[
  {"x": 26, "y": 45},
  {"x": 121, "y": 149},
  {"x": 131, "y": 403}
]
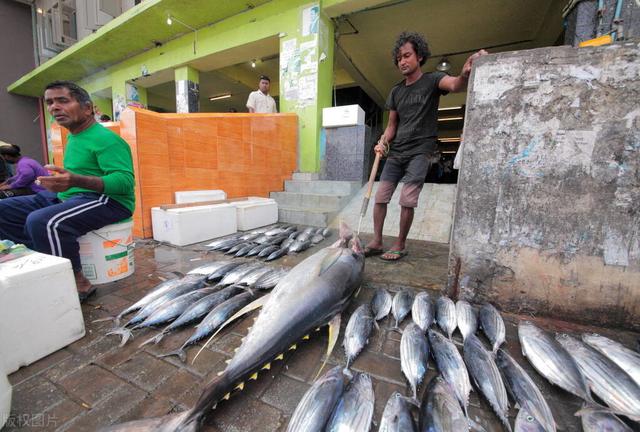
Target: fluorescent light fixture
[
  {"x": 450, "y": 108},
  {"x": 449, "y": 140},
  {"x": 218, "y": 97},
  {"x": 450, "y": 118}
]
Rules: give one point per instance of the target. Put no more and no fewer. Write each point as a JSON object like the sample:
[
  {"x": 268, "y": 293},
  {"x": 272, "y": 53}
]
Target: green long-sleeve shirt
[{"x": 97, "y": 151}]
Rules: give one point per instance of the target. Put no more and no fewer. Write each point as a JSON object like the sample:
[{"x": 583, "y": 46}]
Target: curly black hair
[{"x": 419, "y": 43}]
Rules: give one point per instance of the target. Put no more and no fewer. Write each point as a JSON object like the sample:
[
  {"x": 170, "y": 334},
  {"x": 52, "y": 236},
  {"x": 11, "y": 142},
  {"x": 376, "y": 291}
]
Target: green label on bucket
[{"x": 116, "y": 256}]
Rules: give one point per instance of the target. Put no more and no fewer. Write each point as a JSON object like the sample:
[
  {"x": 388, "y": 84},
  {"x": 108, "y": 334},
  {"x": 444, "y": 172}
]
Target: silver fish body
[
  {"x": 264, "y": 253},
  {"x": 245, "y": 250},
  {"x": 239, "y": 272},
  {"x": 317, "y": 238},
  {"x": 299, "y": 246},
  {"x": 357, "y": 333},
  {"x": 257, "y": 249},
  {"x": 551, "y": 360},
  {"x": 451, "y": 366},
  {"x": 492, "y": 325},
  {"x": 235, "y": 248},
  {"x": 381, "y": 303},
  {"x": 414, "y": 356},
  {"x": 401, "y": 305},
  {"x": 223, "y": 270},
  {"x": 174, "y": 308},
  {"x": 627, "y": 359},
  {"x": 525, "y": 422},
  {"x": 207, "y": 269},
  {"x": 422, "y": 311},
  {"x": 277, "y": 254},
  {"x": 466, "y": 319},
  {"x": 354, "y": 410},
  {"x": 486, "y": 375},
  {"x": 440, "y": 410},
  {"x": 606, "y": 379},
  {"x": 524, "y": 391},
  {"x": 598, "y": 421},
  {"x": 217, "y": 242},
  {"x": 288, "y": 242},
  {"x": 326, "y": 232},
  {"x": 269, "y": 280},
  {"x": 446, "y": 315},
  {"x": 317, "y": 404},
  {"x": 397, "y": 416},
  {"x": 251, "y": 277}
]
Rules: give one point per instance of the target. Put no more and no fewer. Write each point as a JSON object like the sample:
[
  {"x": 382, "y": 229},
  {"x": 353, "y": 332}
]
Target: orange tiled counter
[{"x": 242, "y": 154}]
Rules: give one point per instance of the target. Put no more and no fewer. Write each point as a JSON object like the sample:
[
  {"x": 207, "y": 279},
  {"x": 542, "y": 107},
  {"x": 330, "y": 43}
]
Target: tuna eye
[{"x": 529, "y": 418}]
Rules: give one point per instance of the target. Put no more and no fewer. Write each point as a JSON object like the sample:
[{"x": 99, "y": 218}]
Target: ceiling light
[
  {"x": 169, "y": 20},
  {"x": 222, "y": 96},
  {"x": 39, "y": 10},
  {"x": 443, "y": 65},
  {"x": 450, "y": 119},
  {"x": 253, "y": 63},
  {"x": 450, "y": 108}
]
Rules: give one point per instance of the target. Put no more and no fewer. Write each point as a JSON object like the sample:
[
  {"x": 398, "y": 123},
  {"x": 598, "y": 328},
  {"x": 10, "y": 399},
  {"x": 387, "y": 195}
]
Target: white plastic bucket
[{"x": 107, "y": 254}]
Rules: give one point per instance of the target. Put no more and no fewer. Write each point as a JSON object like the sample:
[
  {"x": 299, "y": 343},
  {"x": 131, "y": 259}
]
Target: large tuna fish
[
  {"x": 311, "y": 295},
  {"x": 381, "y": 303},
  {"x": 607, "y": 380},
  {"x": 446, "y": 315},
  {"x": 627, "y": 359},
  {"x": 317, "y": 404},
  {"x": 422, "y": 311},
  {"x": 451, "y": 366},
  {"x": 440, "y": 411},
  {"x": 598, "y": 421},
  {"x": 356, "y": 335},
  {"x": 486, "y": 376},
  {"x": 526, "y": 423},
  {"x": 551, "y": 360},
  {"x": 414, "y": 355},
  {"x": 492, "y": 325},
  {"x": 354, "y": 410},
  {"x": 524, "y": 392},
  {"x": 401, "y": 306},
  {"x": 466, "y": 319},
  {"x": 397, "y": 416}
]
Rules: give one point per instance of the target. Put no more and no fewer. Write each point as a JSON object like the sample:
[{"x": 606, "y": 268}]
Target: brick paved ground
[{"x": 93, "y": 382}]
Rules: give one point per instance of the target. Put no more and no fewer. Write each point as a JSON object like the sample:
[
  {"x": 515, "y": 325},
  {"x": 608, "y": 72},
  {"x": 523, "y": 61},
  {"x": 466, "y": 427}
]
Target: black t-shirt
[{"x": 417, "y": 108}]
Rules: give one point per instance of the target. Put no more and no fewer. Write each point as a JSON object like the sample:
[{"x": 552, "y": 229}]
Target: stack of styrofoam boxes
[
  {"x": 188, "y": 225},
  {"x": 40, "y": 309},
  {"x": 200, "y": 196},
  {"x": 256, "y": 212}
]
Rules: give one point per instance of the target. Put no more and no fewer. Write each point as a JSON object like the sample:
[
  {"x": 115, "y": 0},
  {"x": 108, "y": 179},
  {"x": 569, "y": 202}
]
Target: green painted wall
[
  {"x": 103, "y": 104},
  {"x": 187, "y": 73}
]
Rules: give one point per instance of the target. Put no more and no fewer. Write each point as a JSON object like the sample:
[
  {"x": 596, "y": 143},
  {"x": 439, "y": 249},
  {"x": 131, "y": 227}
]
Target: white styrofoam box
[
  {"x": 183, "y": 197},
  {"x": 347, "y": 115},
  {"x": 184, "y": 226},
  {"x": 40, "y": 309},
  {"x": 256, "y": 213}
]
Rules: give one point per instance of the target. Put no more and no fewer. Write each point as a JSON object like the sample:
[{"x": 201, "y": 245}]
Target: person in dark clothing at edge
[
  {"x": 410, "y": 137},
  {"x": 27, "y": 171},
  {"x": 94, "y": 189}
]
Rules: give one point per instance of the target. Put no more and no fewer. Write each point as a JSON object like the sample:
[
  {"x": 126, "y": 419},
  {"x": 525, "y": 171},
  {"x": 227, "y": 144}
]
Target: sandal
[
  {"x": 83, "y": 296},
  {"x": 369, "y": 251},
  {"x": 394, "y": 255}
]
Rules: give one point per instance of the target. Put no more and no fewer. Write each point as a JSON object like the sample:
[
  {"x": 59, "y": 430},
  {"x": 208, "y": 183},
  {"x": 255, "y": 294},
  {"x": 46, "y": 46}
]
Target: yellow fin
[
  {"x": 280, "y": 356},
  {"x": 305, "y": 337},
  {"x": 227, "y": 396},
  {"x": 240, "y": 386},
  {"x": 334, "y": 332},
  {"x": 292, "y": 347},
  {"x": 267, "y": 366},
  {"x": 254, "y": 376}
]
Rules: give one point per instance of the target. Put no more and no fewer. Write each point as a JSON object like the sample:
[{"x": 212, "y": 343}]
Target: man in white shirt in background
[{"x": 260, "y": 101}]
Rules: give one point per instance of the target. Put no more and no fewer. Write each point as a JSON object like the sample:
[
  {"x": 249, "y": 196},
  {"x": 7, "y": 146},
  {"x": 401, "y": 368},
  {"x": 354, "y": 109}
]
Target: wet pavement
[{"x": 93, "y": 382}]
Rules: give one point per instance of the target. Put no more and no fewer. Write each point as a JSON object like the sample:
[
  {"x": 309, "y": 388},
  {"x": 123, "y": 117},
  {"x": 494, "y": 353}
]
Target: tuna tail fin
[
  {"x": 155, "y": 339},
  {"x": 123, "y": 332},
  {"x": 180, "y": 352},
  {"x": 592, "y": 406},
  {"x": 334, "y": 332}
]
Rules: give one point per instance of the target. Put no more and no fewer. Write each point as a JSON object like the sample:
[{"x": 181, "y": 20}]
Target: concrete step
[
  {"x": 307, "y": 216},
  {"x": 304, "y": 176},
  {"x": 322, "y": 187},
  {"x": 306, "y": 200}
]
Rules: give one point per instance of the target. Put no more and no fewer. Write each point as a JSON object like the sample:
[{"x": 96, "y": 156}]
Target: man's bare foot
[
  {"x": 373, "y": 248},
  {"x": 84, "y": 287}
]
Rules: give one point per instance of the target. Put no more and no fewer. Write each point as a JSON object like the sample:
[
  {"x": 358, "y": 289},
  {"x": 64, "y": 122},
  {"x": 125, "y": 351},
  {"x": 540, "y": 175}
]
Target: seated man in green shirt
[{"x": 94, "y": 189}]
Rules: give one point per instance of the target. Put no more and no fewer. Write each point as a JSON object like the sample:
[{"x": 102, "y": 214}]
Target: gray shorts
[{"x": 412, "y": 169}]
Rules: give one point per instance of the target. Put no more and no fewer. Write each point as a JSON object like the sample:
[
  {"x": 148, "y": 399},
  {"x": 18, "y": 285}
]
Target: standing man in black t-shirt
[{"x": 411, "y": 135}]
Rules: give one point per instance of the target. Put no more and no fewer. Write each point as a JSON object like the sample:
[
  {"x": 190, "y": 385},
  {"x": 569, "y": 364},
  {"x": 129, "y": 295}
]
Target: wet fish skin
[
  {"x": 598, "y": 421},
  {"x": 235, "y": 248},
  {"x": 357, "y": 333},
  {"x": 486, "y": 375},
  {"x": 245, "y": 250},
  {"x": 551, "y": 360},
  {"x": 174, "y": 308},
  {"x": 526, "y": 423},
  {"x": 414, "y": 356},
  {"x": 270, "y": 280},
  {"x": 326, "y": 232},
  {"x": 492, "y": 325},
  {"x": 252, "y": 276},
  {"x": 401, "y": 305},
  {"x": 277, "y": 254},
  {"x": 524, "y": 392},
  {"x": 451, "y": 367},
  {"x": 466, "y": 319},
  {"x": 217, "y": 242},
  {"x": 397, "y": 416},
  {"x": 446, "y": 315},
  {"x": 317, "y": 404},
  {"x": 317, "y": 239},
  {"x": 257, "y": 249},
  {"x": 627, "y": 359},
  {"x": 268, "y": 251},
  {"x": 381, "y": 303},
  {"x": 422, "y": 311},
  {"x": 239, "y": 272},
  {"x": 285, "y": 244},
  {"x": 606, "y": 379},
  {"x": 207, "y": 269},
  {"x": 440, "y": 410},
  {"x": 222, "y": 271},
  {"x": 299, "y": 246},
  {"x": 354, "y": 410}
]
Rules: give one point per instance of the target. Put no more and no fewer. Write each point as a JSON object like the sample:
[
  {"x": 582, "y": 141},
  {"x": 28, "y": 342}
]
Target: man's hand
[
  {"x": 382, "y": 148},
  {"x": 466, "y": 69},
  {"x": 60, "y": 179}
]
